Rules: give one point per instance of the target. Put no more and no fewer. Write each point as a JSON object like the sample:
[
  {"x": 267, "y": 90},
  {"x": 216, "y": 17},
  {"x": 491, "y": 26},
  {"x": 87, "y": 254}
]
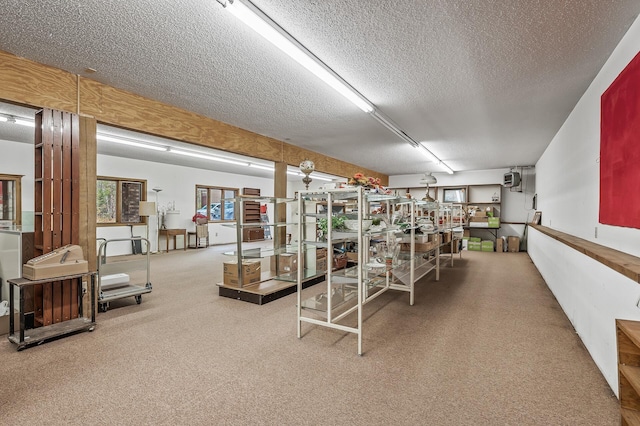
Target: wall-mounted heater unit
[{"x": 511, "y": 179}]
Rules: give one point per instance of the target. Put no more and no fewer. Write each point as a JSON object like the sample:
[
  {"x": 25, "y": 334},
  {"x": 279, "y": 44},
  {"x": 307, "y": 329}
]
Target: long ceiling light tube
[
  {"x": 208, "y": 157},
  {"x": 257, "y": 20},
  {"x": 17, "y": 120},
  {"x": 129, "y": 142}
]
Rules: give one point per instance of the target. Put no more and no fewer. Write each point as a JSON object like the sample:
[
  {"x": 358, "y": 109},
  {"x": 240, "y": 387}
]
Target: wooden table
[{"x": 174, "y": 232}]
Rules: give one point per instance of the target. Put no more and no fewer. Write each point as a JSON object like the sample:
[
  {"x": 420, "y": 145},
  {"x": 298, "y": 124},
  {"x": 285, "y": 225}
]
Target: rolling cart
[{"x": 114, "y": 275}]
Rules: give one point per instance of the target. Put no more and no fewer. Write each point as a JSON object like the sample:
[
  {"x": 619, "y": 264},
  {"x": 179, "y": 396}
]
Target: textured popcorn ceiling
[{"x": 486, "y": 84}]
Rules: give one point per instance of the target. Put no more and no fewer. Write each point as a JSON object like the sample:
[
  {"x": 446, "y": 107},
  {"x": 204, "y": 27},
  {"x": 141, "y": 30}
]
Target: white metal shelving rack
[{"x": 346, "y": 291}]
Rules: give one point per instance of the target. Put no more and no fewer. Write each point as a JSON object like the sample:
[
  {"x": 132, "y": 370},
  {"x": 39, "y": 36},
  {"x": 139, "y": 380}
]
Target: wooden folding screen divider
[{"x": 57, "y": 203}]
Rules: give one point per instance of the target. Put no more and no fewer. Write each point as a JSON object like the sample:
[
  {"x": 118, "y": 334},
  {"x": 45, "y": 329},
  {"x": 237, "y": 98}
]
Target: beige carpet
[{"x": 486, "y": 345}]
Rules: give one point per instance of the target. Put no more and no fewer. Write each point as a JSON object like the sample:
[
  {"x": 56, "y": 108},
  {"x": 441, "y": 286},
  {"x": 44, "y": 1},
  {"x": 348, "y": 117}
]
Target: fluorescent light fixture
[
  {"x": 122, "y": 141},
  {"x": 322, "y": 178},
  {"x": 429, "y": 154},
  {"x": 17, "y": 120},
  {"x": 255, "y": 19},
  {"x": 261, "y": 167},
  {"x": 24, "y": 122},
  {"x": 447, "y": 168},
  {"x": 393, "y": 127},
  {"x": 208, "y": 157}
]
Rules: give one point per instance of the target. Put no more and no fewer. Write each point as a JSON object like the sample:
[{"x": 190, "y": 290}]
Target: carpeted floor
[{"x": 486, "y": 345}]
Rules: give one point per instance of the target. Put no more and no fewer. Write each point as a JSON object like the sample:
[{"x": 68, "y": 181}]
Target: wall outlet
[
  {"x": 216, "y": 234},
  {"x": 596, "y": 233}
]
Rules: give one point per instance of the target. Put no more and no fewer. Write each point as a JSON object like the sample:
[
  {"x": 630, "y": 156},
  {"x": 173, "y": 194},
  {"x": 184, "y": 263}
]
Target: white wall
[
  {"x": 178, "y": 186},
  {"x": 18, "y": 159},
  {"x": 567, "y": 184},
  {"x": 177, "y": 183}
]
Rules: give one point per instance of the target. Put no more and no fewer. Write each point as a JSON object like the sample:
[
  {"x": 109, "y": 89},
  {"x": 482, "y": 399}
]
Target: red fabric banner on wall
[{"x": 620, "y": 149}]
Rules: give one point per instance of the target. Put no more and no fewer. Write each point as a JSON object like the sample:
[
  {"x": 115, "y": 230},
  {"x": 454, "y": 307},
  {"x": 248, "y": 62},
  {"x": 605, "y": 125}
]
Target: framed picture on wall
[
  {"x": 536, "y": 218},
  {"x": 454, "y": 195}
]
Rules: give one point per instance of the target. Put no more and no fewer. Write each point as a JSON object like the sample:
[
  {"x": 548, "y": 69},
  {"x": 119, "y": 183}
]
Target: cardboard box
[
  {"x": 466, "y": 233},
  {"x": 321, "y": 252},
  {"x": 250, "y": 272},
  {"x": 494, "y": 222},
  {"x": 447, "y": 248},
  {"x": 4, "y": 324},
  {"x": 287, "y": 262},
  {"x": 446, "y": 237},
  {"x": 486, "y": 245},
  {"x": 419, "y": 247},
  {"x": 513, "y": 244},
  {"x": 474, "y": 245},
  {"x": 499, "y": 245},
  {"x": 482, "y": 219},
  {"x": 475, "y": 239},
  {"x": 352, "y": 256},
  {"x": 321, "y": 264}
]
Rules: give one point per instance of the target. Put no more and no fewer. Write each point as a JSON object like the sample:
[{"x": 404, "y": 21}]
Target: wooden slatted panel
[
  {"x": 66, "y": 301},
  {"x": 58, "y": 161},
  {"x": 56, "y": 181},
  {"x": 67, "y": 193},
  {"x": 37, "y": 202},
  {"x": 76, "y": 158},
  {"x": 47, "y": 159},
  {"x": 74, "y": 310},
  {"x": 57, "y": 301},
  {"x": 47, "y": 304}
]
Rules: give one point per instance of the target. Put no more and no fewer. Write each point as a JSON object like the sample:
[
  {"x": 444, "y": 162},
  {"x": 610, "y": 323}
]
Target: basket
[{"x": 340, "y": 261}]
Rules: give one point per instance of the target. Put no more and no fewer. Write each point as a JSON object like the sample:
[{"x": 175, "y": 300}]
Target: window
[
  {"x": 10, "y": 199},
  {"x": 118, "y": 200},
  {"x": 454, "y": 195},
  {"x": 216, "y": 203}
]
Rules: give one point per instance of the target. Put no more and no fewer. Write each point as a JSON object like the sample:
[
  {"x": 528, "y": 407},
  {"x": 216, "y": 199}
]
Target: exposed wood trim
[
  {"x": 38, "y": 85},
  {"x": 31, "y": 83},
  {"x": 624, "y": 263},
  {"x": 87, "y": 181},
  {"x": 280, "y": 191}
]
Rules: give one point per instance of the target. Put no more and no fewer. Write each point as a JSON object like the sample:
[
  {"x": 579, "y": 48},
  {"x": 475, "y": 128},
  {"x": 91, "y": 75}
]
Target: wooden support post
[
  {"x": 280, "y": 214},
  {"x": 65, "y": 176}
]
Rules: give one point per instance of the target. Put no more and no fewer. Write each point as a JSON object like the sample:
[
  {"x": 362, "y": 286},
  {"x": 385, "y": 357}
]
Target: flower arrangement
[
  {"x": 361, "y": 180},
  {"x": 199, "y": 219}
]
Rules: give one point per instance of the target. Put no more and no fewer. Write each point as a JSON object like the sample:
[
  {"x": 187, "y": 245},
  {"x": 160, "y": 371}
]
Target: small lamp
[
  {"x": 157, "y": 189},
  {"x": 307, "y": 167},
  {"x": 146, "y": 209}
]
